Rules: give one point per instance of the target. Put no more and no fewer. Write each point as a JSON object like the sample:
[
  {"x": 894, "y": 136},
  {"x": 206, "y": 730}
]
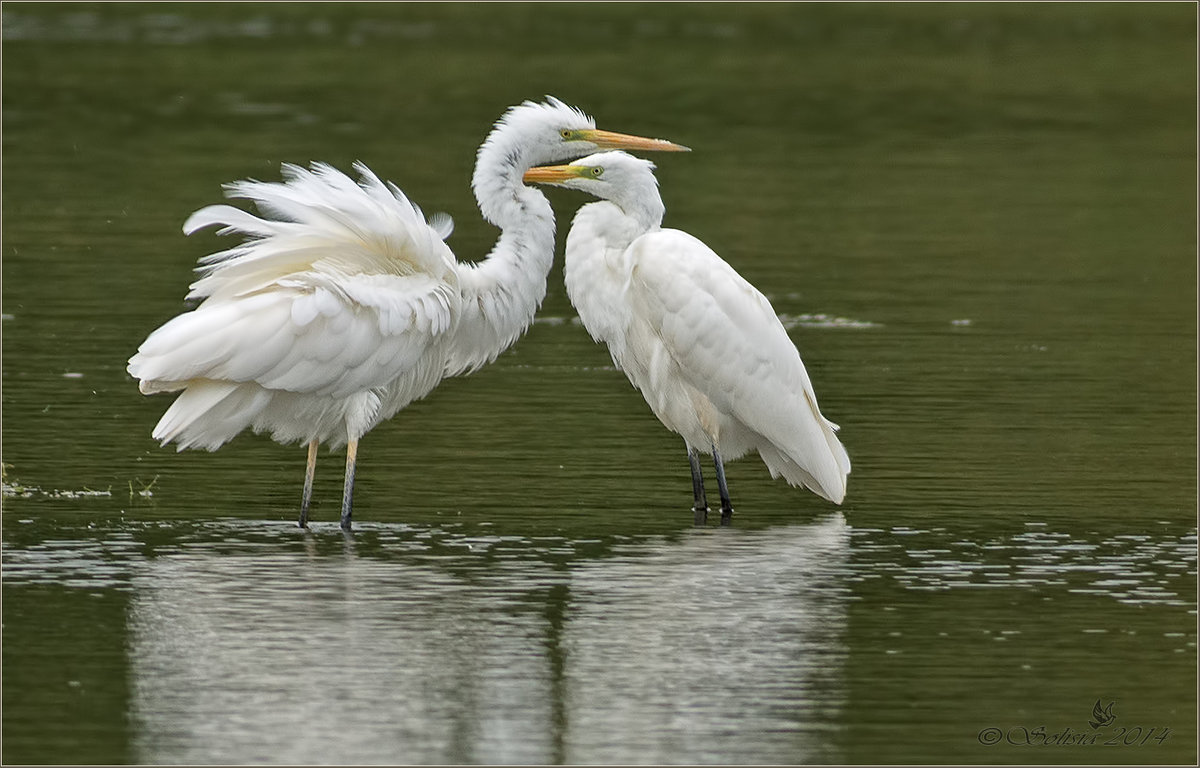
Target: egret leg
[
  {"x": 726, "y": 507},
  {"x": 310, "y": 472},
  {"x": 348, "y": 488},
  {"x": 700, "y": 507}
]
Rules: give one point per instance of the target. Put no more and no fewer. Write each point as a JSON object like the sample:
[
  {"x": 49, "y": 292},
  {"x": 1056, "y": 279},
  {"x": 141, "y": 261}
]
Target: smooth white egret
[
  {"x": 342, "y": 304},
  {"x": 704, "y": 346}
]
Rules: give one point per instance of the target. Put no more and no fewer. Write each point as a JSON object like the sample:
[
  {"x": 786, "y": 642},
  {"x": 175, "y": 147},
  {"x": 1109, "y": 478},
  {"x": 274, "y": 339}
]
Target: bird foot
[
  {"x": 699, "y": 515},
  {"x": 726, "y": 515}
]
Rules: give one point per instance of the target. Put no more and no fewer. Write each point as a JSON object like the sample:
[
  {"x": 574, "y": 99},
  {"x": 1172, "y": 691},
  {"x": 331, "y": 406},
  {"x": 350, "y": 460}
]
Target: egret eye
[
  {"x": 567, "y": 134},
  {"x": 597, "y": 171}
]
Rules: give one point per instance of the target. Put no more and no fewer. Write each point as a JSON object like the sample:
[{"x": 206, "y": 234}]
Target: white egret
[
  {"x": 703, "y": 345},
  {"x": 343, "y": 305}
]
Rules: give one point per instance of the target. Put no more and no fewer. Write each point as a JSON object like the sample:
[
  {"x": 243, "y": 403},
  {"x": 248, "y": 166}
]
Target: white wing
[
  {"x": 726, "y": 342},
  {"x": 340, "y": 288},
  {"x": 304, "y": 333}
]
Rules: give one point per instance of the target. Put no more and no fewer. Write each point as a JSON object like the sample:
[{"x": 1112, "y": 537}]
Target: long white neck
[
  {"x": 597, "y": 269},
  {"x": 501, "y": 293}
]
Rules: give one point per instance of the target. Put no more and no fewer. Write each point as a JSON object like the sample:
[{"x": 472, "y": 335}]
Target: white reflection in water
[
  {"x": 723, "y": 646},
  {"x": 721, "y": 649},
  {"x": 289, "y": 659}
]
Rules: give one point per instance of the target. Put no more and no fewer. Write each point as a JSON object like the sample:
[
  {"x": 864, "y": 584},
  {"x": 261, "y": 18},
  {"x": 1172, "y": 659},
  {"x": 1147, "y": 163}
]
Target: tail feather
[
  {"x": 818, "y": 460},
  {"x": 208, "y": 414},
  {"x": 828, "y": 485}
]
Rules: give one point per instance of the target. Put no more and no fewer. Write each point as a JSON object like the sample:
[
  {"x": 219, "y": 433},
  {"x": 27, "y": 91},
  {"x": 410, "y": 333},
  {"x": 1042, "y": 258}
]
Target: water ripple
[{"x": 1138, "y": 569}]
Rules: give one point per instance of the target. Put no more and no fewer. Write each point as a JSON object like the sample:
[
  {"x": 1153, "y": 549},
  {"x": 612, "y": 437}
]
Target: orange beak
[
  {"x": 554, "y": 174},
  {"x": 610, "y": 140}
]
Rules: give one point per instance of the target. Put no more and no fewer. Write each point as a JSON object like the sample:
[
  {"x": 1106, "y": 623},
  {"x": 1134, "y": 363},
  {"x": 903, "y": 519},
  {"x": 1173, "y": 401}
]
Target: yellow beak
[
  {"x": 610, "y": 140},
  {"x": 554, "y": 174}
]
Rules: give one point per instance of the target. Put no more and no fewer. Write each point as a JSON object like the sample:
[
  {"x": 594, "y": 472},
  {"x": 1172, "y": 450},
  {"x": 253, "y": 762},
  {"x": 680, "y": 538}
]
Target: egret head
[
  {"x": 606, "y": 175},
  {"x": 552, "y": 131},
  {"x": 536, "y": 134},
  {"x": 622, "y": 179}
]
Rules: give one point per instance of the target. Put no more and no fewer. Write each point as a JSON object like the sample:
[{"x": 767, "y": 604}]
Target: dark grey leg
[
  {"x": 726, "y": 507},
  {"x": 348, "y": 488},
  {"x": 700, "y": 507},
  {"x": 310, "y": 471}
]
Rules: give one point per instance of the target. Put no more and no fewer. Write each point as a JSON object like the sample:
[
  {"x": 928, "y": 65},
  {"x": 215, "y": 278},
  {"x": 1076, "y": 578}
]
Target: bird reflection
[
  {"x": 722, "y": 648},
  {"x": 397, "y": 650}
]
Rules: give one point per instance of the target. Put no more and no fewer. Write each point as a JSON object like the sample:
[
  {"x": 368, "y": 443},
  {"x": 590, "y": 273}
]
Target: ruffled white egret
[
  {"x": 343, "y": 305},
  {"x": 703, "y": 346}
]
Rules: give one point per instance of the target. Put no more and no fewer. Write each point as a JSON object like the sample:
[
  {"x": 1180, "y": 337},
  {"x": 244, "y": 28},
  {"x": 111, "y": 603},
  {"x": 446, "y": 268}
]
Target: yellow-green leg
[
  {"x": 309, "y": 473},
  {"x": 348, "y": 488}
]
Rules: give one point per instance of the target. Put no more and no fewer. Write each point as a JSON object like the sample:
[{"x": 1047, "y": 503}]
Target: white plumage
[
  {"x": 343, "y": 304},
  {"x": 338, "y": 305},
  {"x": 704, "y": 346}
]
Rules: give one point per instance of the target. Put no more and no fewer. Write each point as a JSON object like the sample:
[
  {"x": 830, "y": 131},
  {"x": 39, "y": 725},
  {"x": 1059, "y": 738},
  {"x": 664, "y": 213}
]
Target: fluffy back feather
[{"x": 319, "y": 220}]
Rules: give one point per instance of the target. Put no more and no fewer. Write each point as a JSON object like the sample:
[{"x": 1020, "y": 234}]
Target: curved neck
[
  {"x": 645, "y": 208},
  {"x": 501, "y": 293},
  {"x": 501, "y": 162}
]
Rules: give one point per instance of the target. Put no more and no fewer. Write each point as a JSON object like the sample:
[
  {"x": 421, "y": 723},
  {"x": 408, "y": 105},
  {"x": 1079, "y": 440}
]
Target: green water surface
[{"x": 978, "y": 222}]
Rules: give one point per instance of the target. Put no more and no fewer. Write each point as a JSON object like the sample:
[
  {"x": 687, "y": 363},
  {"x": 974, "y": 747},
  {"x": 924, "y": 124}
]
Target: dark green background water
[{"x": 978, "y": 221}]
